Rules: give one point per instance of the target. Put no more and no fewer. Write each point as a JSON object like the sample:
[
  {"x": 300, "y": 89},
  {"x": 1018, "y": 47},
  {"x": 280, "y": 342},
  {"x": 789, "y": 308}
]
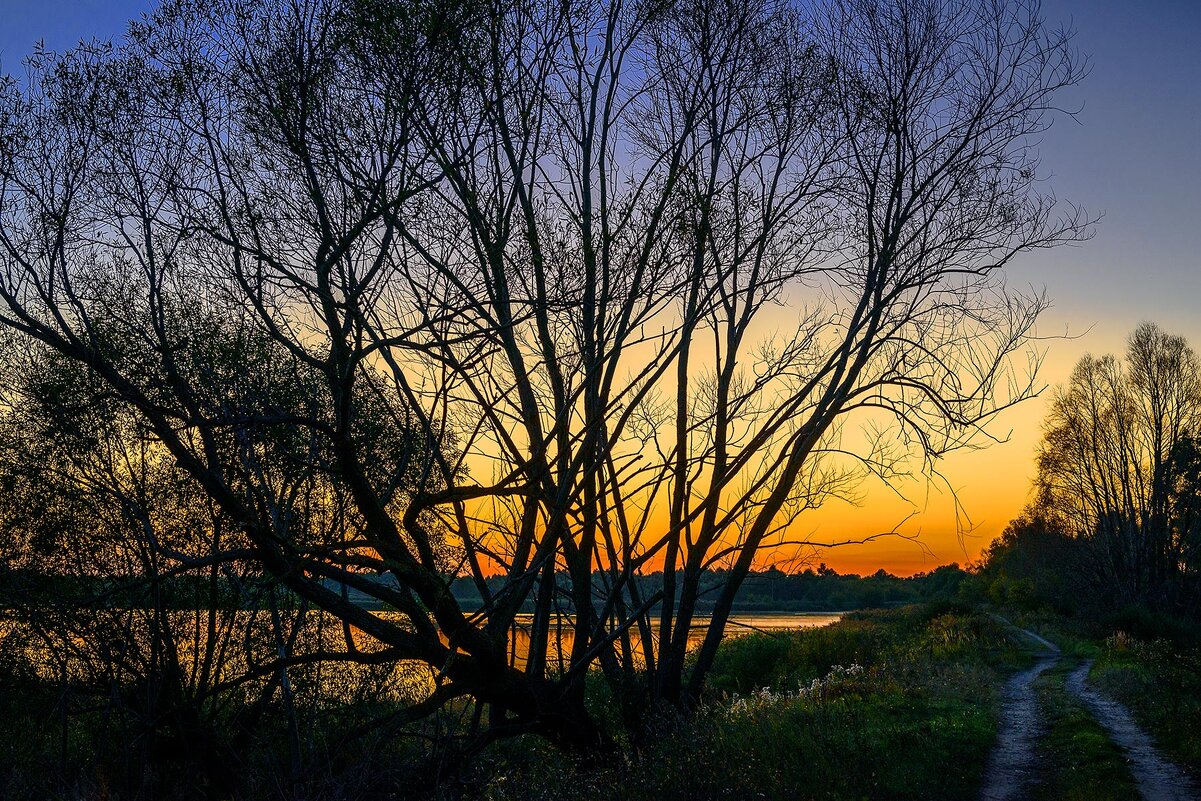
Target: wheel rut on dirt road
[
  {"x": 1158, "y": 779},
  {"x": 1014, "y": 765}
]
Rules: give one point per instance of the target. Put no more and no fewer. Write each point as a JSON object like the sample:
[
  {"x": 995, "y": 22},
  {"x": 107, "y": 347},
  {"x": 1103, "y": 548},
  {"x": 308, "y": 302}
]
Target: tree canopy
[{"x": 565, "y": 293}]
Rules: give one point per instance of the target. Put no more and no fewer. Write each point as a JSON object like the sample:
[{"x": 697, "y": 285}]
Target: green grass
[
  {"x": 898, "y": 704},
  {"x": 1161, "y": 685},
  {"x": 1072, "y": 641},
  {"x": 915, "y": 720},
  {"x": 1080, "y": 763}
]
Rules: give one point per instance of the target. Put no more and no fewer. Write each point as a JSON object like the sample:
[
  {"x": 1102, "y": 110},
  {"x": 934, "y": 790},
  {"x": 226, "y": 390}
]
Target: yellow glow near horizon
[{"x": 993, "y": 484}]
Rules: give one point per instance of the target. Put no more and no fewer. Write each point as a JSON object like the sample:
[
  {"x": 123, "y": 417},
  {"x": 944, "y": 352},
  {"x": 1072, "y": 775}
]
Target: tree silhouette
[
  {"x": 1117, "y": 465},
  {"x": 562, "y": 292}
]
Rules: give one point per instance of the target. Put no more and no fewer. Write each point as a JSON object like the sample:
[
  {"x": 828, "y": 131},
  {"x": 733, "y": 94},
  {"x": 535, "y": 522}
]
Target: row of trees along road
[
  {"x": 1118, "y": 493},
  {"x": 541, "y": 290}
]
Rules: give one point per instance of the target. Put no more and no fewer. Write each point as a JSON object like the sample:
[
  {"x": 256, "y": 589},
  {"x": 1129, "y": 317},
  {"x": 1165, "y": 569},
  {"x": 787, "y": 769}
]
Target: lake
[
  {"x": 108, "y": 632},
  {"x": 738, "y": 624}
]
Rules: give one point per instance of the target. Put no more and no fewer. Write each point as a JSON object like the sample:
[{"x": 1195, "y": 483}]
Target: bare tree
[
  {"x": 1115, "y": 458},
  {"x": 654, "y": 266}
]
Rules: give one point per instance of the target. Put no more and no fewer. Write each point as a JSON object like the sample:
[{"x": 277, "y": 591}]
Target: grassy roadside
[
  {"x": 1079, "y": 761},
  {"x": 897, "y": 704},
  {"x": 1161, "y": 685},
  {"x": 887, "y": 705},
  {"x": 1156, "y": 676}
]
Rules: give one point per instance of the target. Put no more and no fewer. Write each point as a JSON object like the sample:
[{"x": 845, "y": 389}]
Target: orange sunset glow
[
  {"x": 993, "y": 483},
  {"x": 576, "y": 400}
]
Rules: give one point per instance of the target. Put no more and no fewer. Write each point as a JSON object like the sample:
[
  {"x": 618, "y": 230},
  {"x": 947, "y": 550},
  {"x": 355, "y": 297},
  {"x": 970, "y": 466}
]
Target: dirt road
[
  {"x": 1015, "y": 762},
  {"x": 1158, "y": 779}
]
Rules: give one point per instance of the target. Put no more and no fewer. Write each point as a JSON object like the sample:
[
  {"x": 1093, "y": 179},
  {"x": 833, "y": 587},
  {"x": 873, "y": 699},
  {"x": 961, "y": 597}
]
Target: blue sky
[{"x": 1133, "y": 155}]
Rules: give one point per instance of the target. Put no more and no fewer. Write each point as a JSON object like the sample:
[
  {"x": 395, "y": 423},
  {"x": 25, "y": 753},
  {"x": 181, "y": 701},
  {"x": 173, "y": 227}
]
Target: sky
[{"x": 1130, "y": 156}]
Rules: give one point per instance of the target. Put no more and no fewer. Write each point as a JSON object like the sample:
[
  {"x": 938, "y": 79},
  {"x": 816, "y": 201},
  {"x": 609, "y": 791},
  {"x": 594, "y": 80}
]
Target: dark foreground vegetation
[
  {"x": 472, "y": 309},
  {"x": 823, "y": 713},
  {"x": 1160, "y": 681},
  {"x": 826, "y": 713},
  {"x": 831, "y": 713}
]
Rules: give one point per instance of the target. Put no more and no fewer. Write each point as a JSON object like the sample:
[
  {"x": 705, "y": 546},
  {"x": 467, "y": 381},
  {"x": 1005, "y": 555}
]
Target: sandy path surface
[
  {"x": 1013, "y": 765},
  {"x": 1158, "y": 779}
]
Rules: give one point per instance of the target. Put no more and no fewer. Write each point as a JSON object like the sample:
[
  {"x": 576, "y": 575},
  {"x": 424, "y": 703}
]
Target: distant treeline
[
  {"x": 32, "y": 590},
  {"x": 820, "y": 589},
  {"x": 811, "y": 590}
]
